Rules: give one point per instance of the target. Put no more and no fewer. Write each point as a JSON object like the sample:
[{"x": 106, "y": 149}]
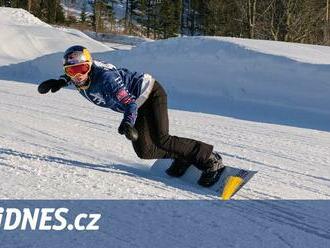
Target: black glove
[
  {"x": 130, "y": 132},
  {"x": 51, "y": 84}
]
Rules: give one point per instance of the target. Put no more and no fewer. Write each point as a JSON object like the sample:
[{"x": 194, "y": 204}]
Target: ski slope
[{"x": 262, "y": 108}]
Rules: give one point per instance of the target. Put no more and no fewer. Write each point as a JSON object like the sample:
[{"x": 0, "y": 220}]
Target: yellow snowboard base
[{"x": 232, "y": 185}]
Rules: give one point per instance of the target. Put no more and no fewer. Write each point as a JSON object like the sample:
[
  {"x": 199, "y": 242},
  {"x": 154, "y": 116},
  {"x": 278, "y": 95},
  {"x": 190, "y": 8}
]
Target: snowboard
[{"x": 231, "y": 180}]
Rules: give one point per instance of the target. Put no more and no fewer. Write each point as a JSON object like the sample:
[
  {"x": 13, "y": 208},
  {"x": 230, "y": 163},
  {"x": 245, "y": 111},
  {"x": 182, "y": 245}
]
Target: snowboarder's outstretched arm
[{"x": 53, "y": 85}]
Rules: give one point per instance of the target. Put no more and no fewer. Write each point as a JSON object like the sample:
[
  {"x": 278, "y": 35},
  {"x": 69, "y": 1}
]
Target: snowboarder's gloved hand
[
  {"x": 130, "y": 132},
  {"x": 51, "y": 84}
]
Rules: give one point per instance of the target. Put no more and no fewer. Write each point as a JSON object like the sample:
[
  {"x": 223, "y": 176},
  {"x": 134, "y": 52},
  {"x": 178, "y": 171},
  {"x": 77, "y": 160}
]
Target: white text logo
[{"x": 46, "y": 219}]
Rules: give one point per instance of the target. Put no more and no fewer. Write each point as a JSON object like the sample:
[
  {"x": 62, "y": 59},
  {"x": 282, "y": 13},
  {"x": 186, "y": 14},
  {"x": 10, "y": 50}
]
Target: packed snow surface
[
  {"x": 59, "y": 146},
  {"x": 203, "y": 73}
]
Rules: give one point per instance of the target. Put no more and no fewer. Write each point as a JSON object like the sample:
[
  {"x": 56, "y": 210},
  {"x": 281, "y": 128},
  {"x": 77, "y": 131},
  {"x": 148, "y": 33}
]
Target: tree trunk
[
  {"x": 252, "y": 12},
  {"x": 29, "y": 5},
  {"x": 327, "y": 26},
  {"x": 126, "y": 13}
]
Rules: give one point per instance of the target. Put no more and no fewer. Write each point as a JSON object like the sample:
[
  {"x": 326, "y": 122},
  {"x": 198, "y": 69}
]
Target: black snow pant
[{"x": 154, "y": 140}]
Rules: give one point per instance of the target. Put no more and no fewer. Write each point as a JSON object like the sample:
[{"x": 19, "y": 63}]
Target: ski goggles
[{"x": 74, "y": 70}]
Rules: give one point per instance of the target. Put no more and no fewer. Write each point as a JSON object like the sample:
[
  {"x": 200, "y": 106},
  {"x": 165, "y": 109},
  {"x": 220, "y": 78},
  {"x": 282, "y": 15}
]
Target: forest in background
[{"x": 302, "y": 21}]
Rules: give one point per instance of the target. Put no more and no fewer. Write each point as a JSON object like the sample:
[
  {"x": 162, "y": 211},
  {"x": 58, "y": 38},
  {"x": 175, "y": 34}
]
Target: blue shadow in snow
[
  {"x": 170, "y": 223},
  {"x": 165, "y": 223},
  {"x": 49, "y": 66},
  {"x": 133, "y": 171}
]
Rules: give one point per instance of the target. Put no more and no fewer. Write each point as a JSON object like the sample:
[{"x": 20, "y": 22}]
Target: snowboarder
[{"x": 143, "y": 101}]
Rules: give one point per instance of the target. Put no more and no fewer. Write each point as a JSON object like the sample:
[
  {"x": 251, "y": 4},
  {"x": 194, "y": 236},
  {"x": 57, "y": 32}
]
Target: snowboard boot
[
  {"x": 178, "y": 168},
  {"x": 213, "y": 168}
]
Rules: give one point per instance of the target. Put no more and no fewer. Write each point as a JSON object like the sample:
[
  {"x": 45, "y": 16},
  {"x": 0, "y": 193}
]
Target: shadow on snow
[{"x": 49, "y": 66}]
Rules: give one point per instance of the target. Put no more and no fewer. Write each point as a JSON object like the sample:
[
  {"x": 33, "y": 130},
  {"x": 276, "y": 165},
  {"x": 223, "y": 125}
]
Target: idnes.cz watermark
[{"x": 46, "y": 219}]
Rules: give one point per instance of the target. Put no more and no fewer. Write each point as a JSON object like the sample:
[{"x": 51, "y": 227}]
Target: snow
[
  {"x": 304, "y": 53},
  {"x": 59, "y": 146},
  {"x": 227, "y": 79},
  {"x": 20, "y": 17},
  {"x": 120, "y": 39},
  {"x": 119, "y": 8},
  {"x": 75, "y": 7},
  {"x": 31, "y": 38}
]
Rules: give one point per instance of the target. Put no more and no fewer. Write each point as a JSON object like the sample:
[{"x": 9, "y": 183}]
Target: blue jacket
[{"x": 118, "y": 89}]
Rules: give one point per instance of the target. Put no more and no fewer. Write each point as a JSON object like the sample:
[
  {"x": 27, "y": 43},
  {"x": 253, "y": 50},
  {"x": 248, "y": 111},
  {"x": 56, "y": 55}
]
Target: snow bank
[
  {"x": 256, "y": 80},
  {"x": 121, "y": 39},
  {"x": 240, "y": 78},
  {"x": 12, "y": 16},
  {"x": 304, "y": 53},
  {"x": 24, "y": 37}
]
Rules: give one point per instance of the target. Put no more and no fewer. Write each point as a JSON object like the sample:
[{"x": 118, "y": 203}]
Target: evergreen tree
[
  {"x": 219, "y": 17},
  {"x": 132, "y": 13},
  {"x": 7, "y": 3},
  {"x": 161, "y": 18},
  {"x": 148, "y": 17},
  {"x": 83, "y": 15},
  {"x": 102, "y": 15},
  {"x": 169, "y": 18},
  {"x": 111, "y": 15}
]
